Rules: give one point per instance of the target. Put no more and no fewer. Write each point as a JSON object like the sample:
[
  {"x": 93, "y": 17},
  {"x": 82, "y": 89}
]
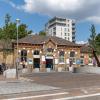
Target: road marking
[
  {"x": 36, "y": 96},
  {"x": 25, "y": 79},
  {"x": 84, "y": 91},
  {"x": 78, "y": 97}
]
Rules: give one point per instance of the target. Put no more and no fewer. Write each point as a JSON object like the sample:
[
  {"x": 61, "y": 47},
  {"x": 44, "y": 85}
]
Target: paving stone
[{"x": 22, "y": 86}]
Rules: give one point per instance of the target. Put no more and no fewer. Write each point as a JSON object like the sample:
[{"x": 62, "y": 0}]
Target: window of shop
[
  {"x": 36, "y": 52},
  {"x": 82, "y": 60},
  {"x": 36, "y": 59},
  {"x": 61, "y": 56},
  {"x": 24, "y": 55},
  {"x": 72, "y": 56},
  {"x": 36, "y": 63}
]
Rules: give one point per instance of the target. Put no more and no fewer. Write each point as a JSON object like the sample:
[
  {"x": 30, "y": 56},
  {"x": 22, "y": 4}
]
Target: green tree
[
  {"x": 22, "y": 31},
  {"x": 9, "y": 32},
  {"x": 4, "y": 37},
  {"x": 7, "y": 19},
  {"x": 42, "y": 33},
  {"x": 97, "y": 41},
  {"x": 91, "y": 40},
  {"x": 0, "y": 33}
]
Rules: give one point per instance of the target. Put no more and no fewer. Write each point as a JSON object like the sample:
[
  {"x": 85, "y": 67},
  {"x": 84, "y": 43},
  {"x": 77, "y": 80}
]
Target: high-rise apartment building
[{"x": 61, "y": 27}]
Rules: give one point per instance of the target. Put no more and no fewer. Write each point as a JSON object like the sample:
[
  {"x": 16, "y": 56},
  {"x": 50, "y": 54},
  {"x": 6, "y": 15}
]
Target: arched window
[
  {"x": 24, "y": 55},
  {"x": 36, "y": 52},
  {"x": 61, "y": 56},
  {"x": 49, "y": 51},
  {"x": 72, "y": 54}
]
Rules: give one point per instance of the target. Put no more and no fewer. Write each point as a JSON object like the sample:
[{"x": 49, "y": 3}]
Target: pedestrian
[
  {"x": 94, "y": 62},
  {"x": 70, "y": 63},
  {"x": 23, "y": 64}
]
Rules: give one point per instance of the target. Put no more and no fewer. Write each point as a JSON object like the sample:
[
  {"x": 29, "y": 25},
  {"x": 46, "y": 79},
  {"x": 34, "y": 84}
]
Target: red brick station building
[{"x": 43, "y": 52}]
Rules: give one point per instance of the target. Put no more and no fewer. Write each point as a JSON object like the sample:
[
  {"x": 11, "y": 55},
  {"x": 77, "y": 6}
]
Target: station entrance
[
  {"x": 49, "y": 63},
  {"x": 36, "y": 62}
]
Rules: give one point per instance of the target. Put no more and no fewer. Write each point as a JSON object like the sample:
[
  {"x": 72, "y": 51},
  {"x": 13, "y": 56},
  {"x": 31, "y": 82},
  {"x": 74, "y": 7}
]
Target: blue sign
[
  {"x": 30, "y": 61},
  {"x": 78, "y": 61}
]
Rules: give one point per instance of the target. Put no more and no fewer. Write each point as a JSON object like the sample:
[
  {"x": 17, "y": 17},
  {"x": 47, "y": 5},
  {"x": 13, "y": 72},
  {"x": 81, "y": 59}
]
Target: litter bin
[{"x": 74, "y": 70}]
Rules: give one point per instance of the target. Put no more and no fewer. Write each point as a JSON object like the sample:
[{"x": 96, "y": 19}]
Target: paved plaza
[
  {"x": 65, "y": 80},
  {"x": 21, "y": 87},
  {"x": 52, "y": 86}
]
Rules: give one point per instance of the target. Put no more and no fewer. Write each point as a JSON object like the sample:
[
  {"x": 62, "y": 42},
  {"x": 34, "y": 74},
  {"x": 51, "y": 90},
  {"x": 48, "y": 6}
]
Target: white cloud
[
  {"x": 77, "y": 9},
  {"x": 81, "y": 42},
  {"x": 95, "y": 19}
]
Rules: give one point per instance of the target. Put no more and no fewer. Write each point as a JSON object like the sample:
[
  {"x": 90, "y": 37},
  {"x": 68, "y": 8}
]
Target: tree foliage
[
  {"x": 92, "y": 37},
  {"x": 9, "y": 32},
  {"x": 42, "y": 33},
  {"x": 94, "y": 40},
  {"x": 97, "y": 41}
]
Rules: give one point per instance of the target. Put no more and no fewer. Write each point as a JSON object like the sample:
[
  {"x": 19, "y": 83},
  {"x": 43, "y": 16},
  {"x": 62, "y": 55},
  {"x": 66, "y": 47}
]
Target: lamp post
[{"x": 17, "y": 60}]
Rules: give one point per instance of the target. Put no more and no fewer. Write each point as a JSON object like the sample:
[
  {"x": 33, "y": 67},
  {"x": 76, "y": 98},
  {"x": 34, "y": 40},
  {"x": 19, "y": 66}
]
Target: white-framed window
[
  {"x": 61, "y": 56},
  {"x": 72, "y": 57},
  {"x": 36, "y": 52},
  {"x": 24, "y": 55},
  {"x": 72, "y": 54},
  {"x": 49, "y": 52}
]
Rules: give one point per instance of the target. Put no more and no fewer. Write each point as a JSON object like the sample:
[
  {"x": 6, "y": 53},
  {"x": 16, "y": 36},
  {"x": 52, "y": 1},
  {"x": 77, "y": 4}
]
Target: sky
[{"x": 35, "y": 13}]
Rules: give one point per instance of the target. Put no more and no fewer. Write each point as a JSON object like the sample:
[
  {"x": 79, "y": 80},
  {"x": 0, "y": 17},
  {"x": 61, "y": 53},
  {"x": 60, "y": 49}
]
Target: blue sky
[{"x": 35, "y": 13}]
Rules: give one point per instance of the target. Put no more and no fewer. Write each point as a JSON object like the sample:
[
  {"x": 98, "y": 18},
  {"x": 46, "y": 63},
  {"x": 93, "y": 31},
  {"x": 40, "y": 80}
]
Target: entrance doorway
[
  {"x": 49, "y": 63},
  {"x": 36, "y": 62}
]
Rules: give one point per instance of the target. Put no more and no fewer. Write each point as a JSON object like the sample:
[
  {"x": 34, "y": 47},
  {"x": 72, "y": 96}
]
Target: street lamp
[{"x": 17, "y": 61}]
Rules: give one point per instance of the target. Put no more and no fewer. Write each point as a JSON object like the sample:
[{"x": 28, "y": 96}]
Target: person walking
[{"x": 70, "y": 65}]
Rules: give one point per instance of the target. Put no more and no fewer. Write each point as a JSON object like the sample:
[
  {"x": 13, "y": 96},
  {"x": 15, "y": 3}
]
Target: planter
[
  {"x": 25, "y": 70},
  {"x": 71, "y": 69},
  {"x": 88, "y": 69},
  {"x": 59, "y": 69},
  {"x": 10, "y": 73},
  {"x": 36, "y": 70}
]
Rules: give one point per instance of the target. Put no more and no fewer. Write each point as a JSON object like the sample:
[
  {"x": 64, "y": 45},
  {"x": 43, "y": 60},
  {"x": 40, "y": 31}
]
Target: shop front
[{"x": 46, "y": 54}]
